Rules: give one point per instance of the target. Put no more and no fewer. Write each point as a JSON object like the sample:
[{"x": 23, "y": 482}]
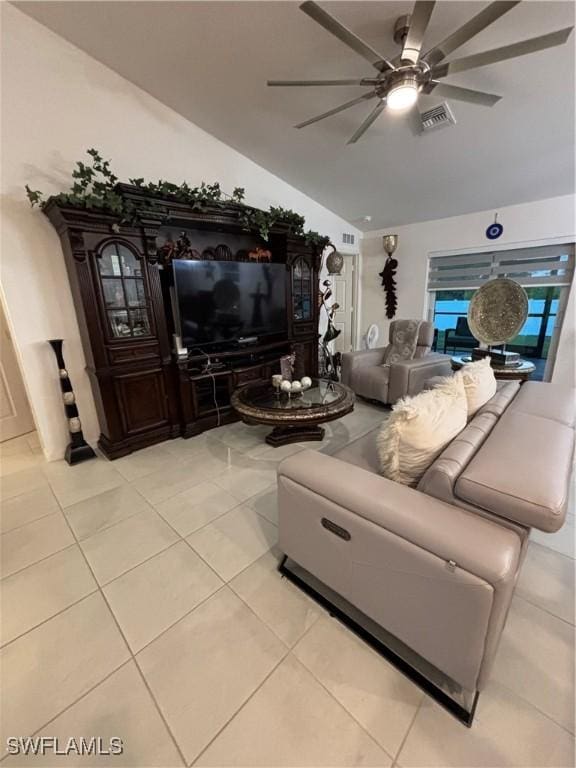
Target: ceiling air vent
[
  {"x": 348, "y": 238},
  {"x": 437, "y": 117}
]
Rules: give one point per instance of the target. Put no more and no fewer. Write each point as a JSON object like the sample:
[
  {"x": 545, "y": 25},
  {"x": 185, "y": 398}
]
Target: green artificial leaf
[
  {"x": 34, "y": 196},
  {"x": 94, "y": 186}
]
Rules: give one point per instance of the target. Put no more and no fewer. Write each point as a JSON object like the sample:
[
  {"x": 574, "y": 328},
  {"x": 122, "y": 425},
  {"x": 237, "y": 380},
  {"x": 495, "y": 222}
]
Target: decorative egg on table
[
  {"x": 286, "y": 386},
  {"x": 306, "y": 382},
  {"x": 296, "y": 388}
]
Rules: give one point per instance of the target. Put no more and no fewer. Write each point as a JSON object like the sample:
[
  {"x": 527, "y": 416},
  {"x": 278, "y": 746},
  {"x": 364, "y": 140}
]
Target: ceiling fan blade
[
  {"x": 367, "y": 123},
  {"x": 333, "y": 26},
  {"x": 466, "y": 32},
  {"x": 419, "y": 20},
  {"x": 462, "y": 94},
  {"x": 317, "y": 82},
  {"x": 501, "y": 54},
  {"x": 341, "y": 108}
]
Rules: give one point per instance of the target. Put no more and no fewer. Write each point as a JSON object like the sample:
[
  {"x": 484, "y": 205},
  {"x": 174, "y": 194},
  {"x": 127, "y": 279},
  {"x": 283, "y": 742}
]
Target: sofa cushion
[
  {"x": 403, "y": 340},
  {"x": 440, "y": 477},
  {"x": 522, "y": 472},
  {"x": 371, "y": 382},
  {"x": 363, "y": 452},
  {"x": 479, "y": 384},
  {"x": 505, "y": 394},
  {"x": 419, "y": 428},
  {"x": 550, "y": 401}
]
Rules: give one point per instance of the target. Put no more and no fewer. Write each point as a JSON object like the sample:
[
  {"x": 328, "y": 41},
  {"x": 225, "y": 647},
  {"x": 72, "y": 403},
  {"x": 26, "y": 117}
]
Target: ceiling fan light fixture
[{"x": 402, "y": 95}]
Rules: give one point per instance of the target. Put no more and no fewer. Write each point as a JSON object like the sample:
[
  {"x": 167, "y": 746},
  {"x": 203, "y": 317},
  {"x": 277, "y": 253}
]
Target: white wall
[
  {"x": 57, "y": 102},
  {"x": 529, "y": 223}
]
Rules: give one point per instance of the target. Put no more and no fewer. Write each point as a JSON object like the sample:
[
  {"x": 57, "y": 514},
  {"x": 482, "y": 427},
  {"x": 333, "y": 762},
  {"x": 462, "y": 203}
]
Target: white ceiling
[{"x": 209, "y": 61}]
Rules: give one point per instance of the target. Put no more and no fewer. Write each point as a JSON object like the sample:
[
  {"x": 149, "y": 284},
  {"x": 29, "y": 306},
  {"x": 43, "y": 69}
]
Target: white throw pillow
[
  {"x": 419, "y": 428},
  {"x": 479, "y": 384}
]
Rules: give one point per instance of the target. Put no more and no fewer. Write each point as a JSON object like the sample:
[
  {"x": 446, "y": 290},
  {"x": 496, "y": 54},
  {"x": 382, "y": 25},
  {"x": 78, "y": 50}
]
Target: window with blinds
[{"x": 544, "y": 265}]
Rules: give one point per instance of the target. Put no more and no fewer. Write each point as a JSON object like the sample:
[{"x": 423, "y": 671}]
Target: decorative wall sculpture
[
  {"x": 329, "y": 359},
  {"x": 388, "y": 274}
]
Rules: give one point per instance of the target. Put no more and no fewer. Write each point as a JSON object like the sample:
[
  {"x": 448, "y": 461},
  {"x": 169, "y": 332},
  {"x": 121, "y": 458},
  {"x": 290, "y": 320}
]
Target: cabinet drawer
[
  {"x": 303, "y": 329},
  {"x": 132, "y": 353}
]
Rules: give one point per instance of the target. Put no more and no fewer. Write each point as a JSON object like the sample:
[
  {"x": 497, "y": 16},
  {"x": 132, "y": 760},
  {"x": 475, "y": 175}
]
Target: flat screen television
[{"x": 221, "y": 303}]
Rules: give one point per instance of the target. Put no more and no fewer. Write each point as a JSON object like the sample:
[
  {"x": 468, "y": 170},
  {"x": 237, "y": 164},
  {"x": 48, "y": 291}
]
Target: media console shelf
[
  {"x": 205, "y": 391},
  {"x": 120, "y": 279}
]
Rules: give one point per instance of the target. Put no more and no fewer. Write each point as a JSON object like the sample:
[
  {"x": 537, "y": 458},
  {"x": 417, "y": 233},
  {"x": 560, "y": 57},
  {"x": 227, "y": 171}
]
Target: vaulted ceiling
[{"x": 209, "y": 61}]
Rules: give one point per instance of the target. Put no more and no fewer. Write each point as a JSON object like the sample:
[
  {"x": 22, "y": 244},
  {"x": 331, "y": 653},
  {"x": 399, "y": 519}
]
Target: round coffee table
[
  {"x": 521, "y": 372},
  {"x": 295, "y": 418}
]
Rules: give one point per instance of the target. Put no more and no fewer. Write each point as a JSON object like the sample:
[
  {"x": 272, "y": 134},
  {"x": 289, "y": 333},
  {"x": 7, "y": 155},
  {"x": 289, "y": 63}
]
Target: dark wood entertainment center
[{"x": 119, "y": 274}]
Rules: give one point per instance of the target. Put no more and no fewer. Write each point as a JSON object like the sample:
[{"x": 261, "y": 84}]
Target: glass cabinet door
[
  {"x": 123, "y": 292},
  {"x": 301, "y": 290}
]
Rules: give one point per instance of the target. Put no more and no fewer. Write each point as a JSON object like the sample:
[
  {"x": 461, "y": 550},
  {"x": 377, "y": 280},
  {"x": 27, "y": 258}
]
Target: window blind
[{"x": 544, "y": 265}]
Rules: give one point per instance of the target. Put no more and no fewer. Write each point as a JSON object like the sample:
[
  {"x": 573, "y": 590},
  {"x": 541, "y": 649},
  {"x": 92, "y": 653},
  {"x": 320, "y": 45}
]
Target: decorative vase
[
  {"x": 78, "y": 449},
  {"x": 334, "y": 262}
]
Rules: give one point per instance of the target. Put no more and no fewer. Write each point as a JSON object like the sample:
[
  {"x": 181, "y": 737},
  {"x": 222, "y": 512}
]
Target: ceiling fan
[{"x": 399, "y": 81}]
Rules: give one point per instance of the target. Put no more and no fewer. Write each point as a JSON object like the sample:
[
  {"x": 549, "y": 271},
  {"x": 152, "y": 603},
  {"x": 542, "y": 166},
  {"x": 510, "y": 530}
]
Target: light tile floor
[{"x": 140, "y": 599}]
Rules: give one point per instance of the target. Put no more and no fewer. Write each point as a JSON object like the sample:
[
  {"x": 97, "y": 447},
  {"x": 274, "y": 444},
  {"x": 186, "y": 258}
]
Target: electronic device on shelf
[{"x": 223, "y": 305}]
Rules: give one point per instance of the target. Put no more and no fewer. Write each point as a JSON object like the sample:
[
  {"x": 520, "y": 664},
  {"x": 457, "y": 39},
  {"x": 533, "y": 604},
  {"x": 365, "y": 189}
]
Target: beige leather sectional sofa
[{"x": 436, "y": 565}]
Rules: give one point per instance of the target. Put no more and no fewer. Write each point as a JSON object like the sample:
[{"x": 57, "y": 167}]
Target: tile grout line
[
  {"x": 40, "y": 560},
  {"x": 208, "y": 479},
  {"x": 131, "y": 654},
  {"x": 100, "y": 587},
  {"x": 116, "y": 522},
  {"x": 544, "y": 610},
  {"x": 181, "y": 618},
  {"x": 208, "y": 597},
  {"x": 240, "y": 708},
  {"x": 77, "y": 700},
  {"x": 33, "y": 490},
  {"x": 551, "y": 549},
  {"x": 535, "y": 707},
  {"x": 137, "y": 565},
  {"x": 332, "y": 696},
  {"x": 19, "y": 527},
  {"x": 53, "y": 616},
  {"x": 226, "y": 583},
  {"x": 408, "y": 730},
  {"x": 286, "y": 655}
]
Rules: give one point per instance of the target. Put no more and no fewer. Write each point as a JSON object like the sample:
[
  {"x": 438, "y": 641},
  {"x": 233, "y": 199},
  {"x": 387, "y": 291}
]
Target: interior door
[
  {"x": 343, "y": 287},
  {"x": 15, "y": 414}
]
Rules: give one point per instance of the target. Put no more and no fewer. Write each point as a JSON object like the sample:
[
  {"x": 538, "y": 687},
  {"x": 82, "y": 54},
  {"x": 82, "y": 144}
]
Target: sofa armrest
[
  {"x": 409, "y": 376},
  {"x": 365, "y": 358},
  {"x": 476, "y": 544}
]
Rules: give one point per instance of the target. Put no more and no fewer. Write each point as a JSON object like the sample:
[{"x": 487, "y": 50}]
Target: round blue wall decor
[{"x": 494, "y": 230}]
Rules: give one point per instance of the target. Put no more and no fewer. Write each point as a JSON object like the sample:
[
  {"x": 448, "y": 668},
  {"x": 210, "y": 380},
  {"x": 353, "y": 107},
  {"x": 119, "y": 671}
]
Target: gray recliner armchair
[{"x": 369, "y": 376}]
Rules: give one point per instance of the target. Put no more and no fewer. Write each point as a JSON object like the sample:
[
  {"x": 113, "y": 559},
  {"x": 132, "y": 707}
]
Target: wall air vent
[
  {"x": 437, "y": 117},
  {"x": 348, "y": 238}
]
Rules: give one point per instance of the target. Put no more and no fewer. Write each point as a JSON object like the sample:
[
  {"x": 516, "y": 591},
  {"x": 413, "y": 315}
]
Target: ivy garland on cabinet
[{"x": 95, "y": 187}]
